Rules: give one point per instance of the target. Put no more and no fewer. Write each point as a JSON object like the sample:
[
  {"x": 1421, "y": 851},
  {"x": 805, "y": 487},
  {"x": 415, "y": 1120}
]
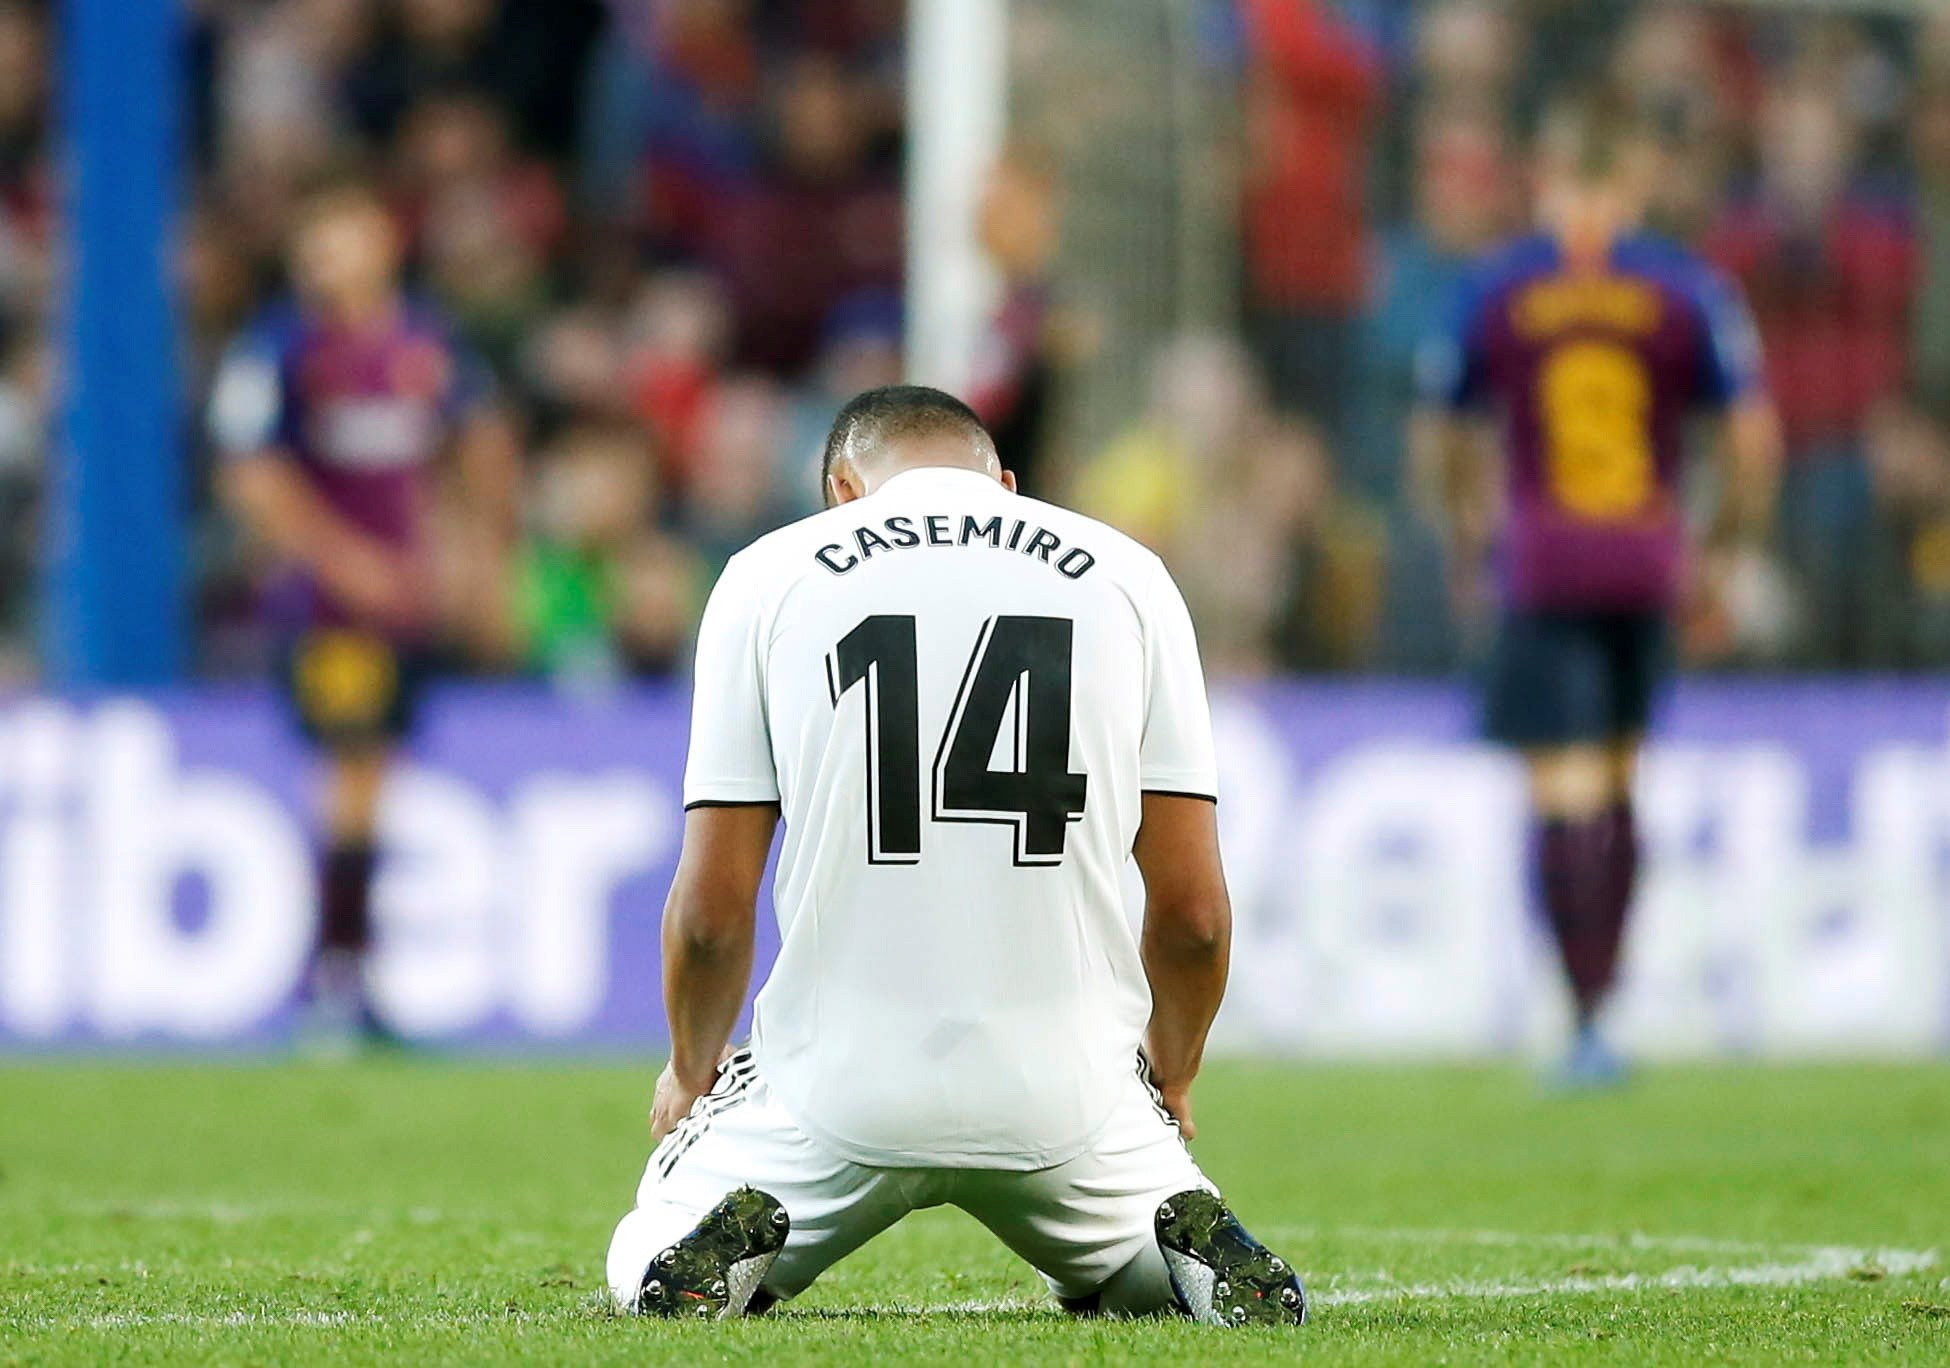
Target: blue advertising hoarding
[{"x": 154, "y": 885}]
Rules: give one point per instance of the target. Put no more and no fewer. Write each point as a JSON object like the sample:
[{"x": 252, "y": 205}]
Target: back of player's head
[
  {"x": 1593, "y": 137},
  {"x": 873, "y": 423}
]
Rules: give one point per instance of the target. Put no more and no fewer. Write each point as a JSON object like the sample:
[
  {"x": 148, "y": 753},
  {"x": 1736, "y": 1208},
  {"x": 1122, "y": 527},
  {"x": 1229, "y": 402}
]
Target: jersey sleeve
[
  {"x": 1176, "y": 754},
  {"x": 1730, "y": 365},
  {"x": 250, "y": 410},
  {"x": 730, "y": 758},
  {"x": 1451, "y": 365}
]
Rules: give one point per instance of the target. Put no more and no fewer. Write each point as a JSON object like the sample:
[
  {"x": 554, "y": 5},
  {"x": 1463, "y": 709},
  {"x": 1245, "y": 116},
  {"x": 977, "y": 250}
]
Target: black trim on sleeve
[
  {"x": 731, "y": 802},
  {"x": 1180, "y": 793}
]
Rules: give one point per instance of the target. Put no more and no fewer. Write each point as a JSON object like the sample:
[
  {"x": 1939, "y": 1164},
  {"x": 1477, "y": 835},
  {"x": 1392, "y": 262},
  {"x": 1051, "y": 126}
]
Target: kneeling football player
[{"x": 971, "y": 708}]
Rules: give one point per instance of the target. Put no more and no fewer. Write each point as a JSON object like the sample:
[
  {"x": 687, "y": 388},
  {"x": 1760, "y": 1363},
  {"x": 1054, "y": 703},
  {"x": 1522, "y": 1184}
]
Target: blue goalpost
[{"x": 114, "y": 610}]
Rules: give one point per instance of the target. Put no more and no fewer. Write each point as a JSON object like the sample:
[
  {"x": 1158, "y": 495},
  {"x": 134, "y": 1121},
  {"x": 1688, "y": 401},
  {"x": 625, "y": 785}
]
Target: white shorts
[{"x": 1078, "y": 1223}]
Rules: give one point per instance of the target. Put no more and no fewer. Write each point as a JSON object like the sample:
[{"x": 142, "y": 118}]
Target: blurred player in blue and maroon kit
[
  {"x": 331, "y": 415},
  {"x": 1576, "y": 361}
]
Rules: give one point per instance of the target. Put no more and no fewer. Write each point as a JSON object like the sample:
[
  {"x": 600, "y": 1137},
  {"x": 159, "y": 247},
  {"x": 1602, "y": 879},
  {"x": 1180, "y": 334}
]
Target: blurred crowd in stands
[{"x": 673, "y": 231}]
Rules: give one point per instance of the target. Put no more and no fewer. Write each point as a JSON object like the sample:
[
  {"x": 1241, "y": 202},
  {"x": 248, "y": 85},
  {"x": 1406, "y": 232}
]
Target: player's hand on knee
[{"x": 671, "y": 1104}]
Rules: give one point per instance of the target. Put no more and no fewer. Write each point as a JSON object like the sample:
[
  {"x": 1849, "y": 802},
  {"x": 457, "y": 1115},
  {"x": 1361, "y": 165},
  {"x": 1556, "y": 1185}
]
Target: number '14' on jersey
[{"x": 1020, "y": 669}]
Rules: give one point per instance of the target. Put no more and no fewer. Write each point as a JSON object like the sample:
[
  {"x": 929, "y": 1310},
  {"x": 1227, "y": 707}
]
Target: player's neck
[
  {"x": 1588, "y": 226},
  {"x": 1587, "y": 242},
  {"x": 909, "y": 467},
  {"x": 935, "y": 456}
]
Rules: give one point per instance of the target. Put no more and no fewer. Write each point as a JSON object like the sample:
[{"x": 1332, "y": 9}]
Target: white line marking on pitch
[
  {"x": 1518, "y": 1239},
  {"x": 237, "y": 1213},
  {"x": 234, "y": 1320},
  {"x": 1823, "y": 1265}
]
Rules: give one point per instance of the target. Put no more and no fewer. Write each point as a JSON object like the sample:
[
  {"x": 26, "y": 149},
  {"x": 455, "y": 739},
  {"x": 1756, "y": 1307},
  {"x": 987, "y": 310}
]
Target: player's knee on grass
[
  {"x": 640, "y": 1236},
  {"x": 1141, "y": 1287},
  {"x": 651, "y": 1229}
]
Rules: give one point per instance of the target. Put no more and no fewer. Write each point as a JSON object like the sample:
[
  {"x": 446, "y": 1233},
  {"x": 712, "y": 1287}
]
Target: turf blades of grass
[{"x": 428, "y": 1212}]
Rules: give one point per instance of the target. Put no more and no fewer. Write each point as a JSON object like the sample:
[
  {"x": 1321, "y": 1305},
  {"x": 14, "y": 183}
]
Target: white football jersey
[{"x": 957, "y": 696}]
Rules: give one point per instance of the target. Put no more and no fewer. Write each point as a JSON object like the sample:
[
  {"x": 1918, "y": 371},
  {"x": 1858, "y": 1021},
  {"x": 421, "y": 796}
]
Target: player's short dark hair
[
  {"x": 1591, "y": 133},
  {"x": 893, "y": 412},
  {"x": 336, "y": 192}
]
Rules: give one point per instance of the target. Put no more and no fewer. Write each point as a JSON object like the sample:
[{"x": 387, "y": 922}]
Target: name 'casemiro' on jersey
[{"x": 900, "y": 532}]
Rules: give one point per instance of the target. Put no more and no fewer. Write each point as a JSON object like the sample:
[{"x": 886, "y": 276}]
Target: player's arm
[
  {"x": 1750, "y": 440},
  {"x": 1750, "y": 459},
  {"x": 1187, "y": 939},
  {"x": 274, "y": 501},
  {"x": 1187, "y": 932},
  {"x": 1730, "y": 381},
  {"x": 276, "y": 504},
  {"x": 710, "y": 923},
  {"x": 1455, "y": 456},
  {"x": 731, "y": 804}
]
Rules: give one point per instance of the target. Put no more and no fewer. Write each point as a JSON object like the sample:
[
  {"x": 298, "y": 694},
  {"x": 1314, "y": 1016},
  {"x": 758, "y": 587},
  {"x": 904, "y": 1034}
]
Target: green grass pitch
[{"x": 424, "y": 1211}]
